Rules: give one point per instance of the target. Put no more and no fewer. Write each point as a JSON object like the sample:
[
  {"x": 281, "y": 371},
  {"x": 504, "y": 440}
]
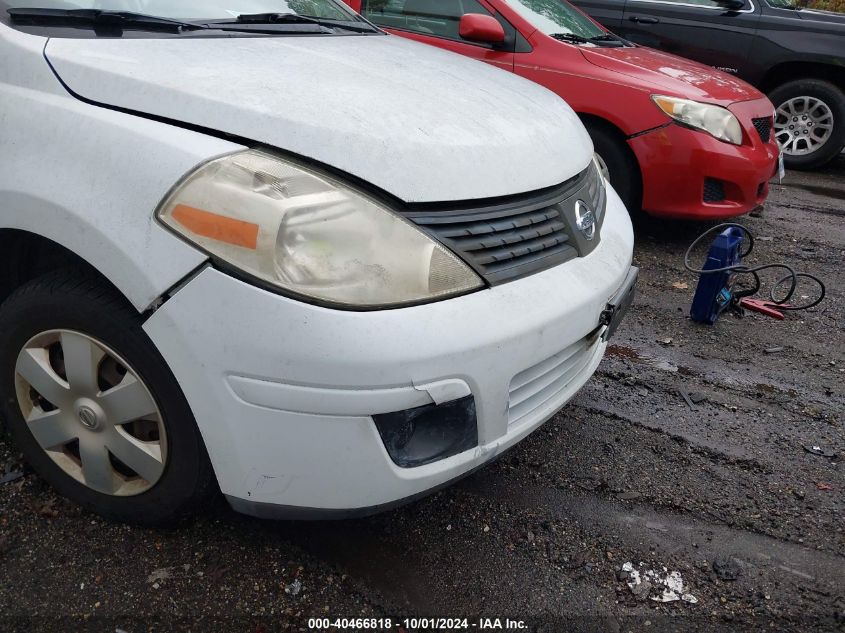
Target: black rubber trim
[
  {"x": 277, "y": 512},
  {"x": 534, "y": 199}
]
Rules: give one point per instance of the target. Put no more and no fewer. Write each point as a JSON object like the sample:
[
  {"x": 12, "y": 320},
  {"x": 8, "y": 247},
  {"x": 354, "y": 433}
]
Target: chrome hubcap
[
  {"x": 91, "y": 413},
  {"x": 803, "y": 125}
]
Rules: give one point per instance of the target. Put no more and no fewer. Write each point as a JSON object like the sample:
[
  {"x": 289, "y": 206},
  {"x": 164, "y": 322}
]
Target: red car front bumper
[{"x": 689, "y": 174}]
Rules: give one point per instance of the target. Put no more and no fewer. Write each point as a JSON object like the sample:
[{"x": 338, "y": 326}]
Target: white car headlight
[
  {"x": 715, "y": 120},
  {"x": 310, "y": 235}
]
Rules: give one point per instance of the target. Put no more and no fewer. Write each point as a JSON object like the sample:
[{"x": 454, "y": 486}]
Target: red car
[{"x": 679, "y": 139}]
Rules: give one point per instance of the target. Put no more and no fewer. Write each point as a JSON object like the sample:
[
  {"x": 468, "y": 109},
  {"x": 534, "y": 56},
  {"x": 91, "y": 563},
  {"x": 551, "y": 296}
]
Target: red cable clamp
[{"x": 769, "y": 308}]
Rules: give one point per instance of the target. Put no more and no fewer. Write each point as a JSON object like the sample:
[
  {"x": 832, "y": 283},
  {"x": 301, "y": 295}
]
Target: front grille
[
  {"x": 501, "y": 246},
  {"x": 546, "y": 382},
  {"x": 714, "y": 190},
  {"x": 512, "y": 238},
  {"x": 764, "y": 128}
]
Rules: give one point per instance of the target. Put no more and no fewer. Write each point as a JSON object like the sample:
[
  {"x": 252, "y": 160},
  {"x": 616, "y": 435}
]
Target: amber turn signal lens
[{"x": 217, "y": 227}]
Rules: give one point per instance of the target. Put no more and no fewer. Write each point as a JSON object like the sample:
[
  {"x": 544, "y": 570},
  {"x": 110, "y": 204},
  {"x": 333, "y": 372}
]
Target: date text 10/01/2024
[{"x": 415, "y": 624}]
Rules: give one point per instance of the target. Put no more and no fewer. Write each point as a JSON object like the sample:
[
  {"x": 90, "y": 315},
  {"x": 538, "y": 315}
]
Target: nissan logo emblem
[{"x": 585, "y": 219}]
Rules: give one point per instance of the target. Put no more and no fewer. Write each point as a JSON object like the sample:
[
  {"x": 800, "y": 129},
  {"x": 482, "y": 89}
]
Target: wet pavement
[{"x": 692, "y": 449}]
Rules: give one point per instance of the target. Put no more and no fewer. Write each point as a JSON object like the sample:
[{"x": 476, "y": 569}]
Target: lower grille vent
[{"x": 714, "y": 190}]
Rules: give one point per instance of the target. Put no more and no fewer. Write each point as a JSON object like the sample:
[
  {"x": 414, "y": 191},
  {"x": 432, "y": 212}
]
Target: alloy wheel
[
  {"x": 803, "y": 125},
  {"x": 91, "y": 413}
]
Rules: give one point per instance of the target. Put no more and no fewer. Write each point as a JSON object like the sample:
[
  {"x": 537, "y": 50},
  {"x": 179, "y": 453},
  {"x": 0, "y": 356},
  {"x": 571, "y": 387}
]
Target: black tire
[
  {"x": 621, "y": 164},
  {"x": 834, "y": 98},
  {"x": 85, "y": 303}
]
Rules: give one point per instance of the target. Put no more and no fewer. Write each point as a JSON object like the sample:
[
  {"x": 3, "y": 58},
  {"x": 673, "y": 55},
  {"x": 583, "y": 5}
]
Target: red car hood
[{"x": 672, "y": 75}]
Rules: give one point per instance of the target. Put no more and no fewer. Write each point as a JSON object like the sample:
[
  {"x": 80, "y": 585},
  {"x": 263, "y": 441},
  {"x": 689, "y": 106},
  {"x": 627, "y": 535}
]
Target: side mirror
[
  {"x": 731, "y": 5},
  {"x": 481, "y": 28}
]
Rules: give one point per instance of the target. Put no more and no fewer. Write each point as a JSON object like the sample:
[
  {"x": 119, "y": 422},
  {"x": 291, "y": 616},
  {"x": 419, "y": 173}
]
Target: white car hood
[{"x": 420, "y": 123}]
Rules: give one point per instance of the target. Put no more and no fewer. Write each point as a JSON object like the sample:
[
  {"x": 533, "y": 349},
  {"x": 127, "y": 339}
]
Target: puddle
[
  {"x": 621, "y": 351},
  {"x": 700, "y": 370}
]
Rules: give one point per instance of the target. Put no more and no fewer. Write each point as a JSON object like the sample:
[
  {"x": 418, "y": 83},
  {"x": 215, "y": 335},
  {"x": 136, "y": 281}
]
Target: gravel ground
[{"x": 719, "y": 489}]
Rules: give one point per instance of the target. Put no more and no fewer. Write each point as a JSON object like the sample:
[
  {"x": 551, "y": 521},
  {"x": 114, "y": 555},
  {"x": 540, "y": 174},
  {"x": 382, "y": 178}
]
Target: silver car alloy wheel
[
  {"x": 91, "y": 412},
  {"x": 803, "y": 125}
]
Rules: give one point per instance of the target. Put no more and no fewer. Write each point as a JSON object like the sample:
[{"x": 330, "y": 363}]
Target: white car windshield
[{"x": 194, "y": 10}]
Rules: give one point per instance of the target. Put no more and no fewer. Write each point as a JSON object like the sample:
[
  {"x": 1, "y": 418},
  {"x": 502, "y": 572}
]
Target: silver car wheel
[
  {"x": 91, "y": 412},
  {"x": 803, "y": 125}
]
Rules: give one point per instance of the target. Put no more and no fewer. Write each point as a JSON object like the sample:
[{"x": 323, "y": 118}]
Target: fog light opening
[{"x": 426, "y": 434}]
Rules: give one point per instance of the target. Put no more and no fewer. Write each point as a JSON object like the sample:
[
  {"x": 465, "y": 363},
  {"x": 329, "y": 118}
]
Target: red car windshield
[{"x": 554, "y": 17}]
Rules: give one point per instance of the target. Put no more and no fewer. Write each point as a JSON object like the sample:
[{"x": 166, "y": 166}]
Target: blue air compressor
[
  {"x": 714, "y": 292},
  {"x": 718, "y": 290}
]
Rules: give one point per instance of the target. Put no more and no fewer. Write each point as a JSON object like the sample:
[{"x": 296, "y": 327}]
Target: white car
[{"x": 261, "y": 246}]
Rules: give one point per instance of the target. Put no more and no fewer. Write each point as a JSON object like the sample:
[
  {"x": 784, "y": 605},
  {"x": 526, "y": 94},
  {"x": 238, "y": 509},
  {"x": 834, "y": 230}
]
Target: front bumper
[
  {"x": 677, "y": 164},
  {"x": 283, "y": 392}
]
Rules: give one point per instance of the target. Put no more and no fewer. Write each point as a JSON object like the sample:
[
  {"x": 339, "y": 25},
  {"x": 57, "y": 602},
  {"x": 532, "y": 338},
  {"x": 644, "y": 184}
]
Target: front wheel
[
  {"x": 809, "y": 122},
  {"x": 618, "y": 164},
  {"x": 92, "y": 405}
]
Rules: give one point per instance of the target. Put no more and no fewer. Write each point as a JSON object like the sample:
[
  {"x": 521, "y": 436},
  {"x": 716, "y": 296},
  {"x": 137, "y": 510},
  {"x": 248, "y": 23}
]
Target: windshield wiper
[
  {"x": 115, "y": 22},
  {"x": 570, "y": 37},
  {"x": 99, "y": 20},
  {"x": 610, "y": 39},
  {"x": 605, "y": 39},
  {"x": 295, "y": 18}
]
